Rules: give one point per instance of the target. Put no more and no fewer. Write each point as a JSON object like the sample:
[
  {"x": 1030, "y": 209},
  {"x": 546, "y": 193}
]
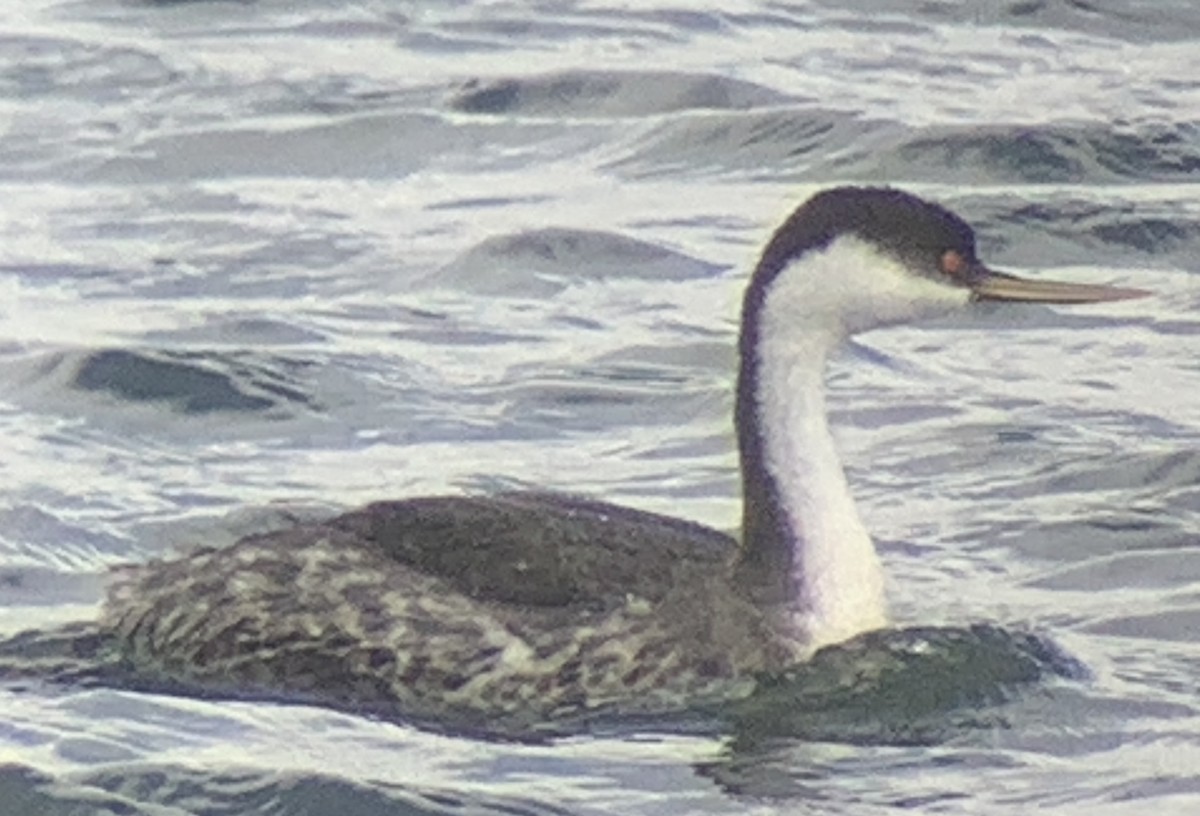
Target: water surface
[{"x": 280, "y": 251}]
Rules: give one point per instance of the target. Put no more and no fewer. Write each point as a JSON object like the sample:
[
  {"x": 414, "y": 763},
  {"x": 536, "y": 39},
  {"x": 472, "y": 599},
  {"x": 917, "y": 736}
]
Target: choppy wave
[{"x": 327, "y": 255}]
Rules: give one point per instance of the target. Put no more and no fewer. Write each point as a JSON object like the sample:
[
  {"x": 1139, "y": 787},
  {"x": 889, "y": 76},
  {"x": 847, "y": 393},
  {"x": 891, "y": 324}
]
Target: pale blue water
[{"x": 324, "y": 254}]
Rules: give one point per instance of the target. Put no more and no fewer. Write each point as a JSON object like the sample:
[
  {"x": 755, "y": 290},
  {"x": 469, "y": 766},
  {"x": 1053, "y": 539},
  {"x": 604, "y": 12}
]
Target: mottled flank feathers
[{"x": 379, "y": 608}]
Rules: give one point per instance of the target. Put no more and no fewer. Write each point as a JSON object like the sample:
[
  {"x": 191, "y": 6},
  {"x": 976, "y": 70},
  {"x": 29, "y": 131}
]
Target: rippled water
[{"x": 282, "y": 251}]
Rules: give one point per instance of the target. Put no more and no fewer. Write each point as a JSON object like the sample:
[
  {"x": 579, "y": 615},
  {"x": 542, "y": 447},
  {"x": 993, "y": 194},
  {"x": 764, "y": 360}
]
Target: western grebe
[{"x": 527, "y": 607}]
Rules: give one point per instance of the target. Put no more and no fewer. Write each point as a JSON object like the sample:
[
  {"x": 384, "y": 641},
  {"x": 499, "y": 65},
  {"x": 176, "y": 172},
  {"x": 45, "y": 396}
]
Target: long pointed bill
[{"x": 1002, "y": 286}]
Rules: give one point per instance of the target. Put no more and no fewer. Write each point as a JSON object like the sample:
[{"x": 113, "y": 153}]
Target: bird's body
[
  {"x": 509, "y": 609},
  {"x": 528, "y": 607}
]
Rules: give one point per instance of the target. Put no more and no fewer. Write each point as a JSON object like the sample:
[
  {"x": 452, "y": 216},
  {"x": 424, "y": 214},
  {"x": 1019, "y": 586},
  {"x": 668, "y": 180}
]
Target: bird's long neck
[{"x": 804, "y": 548}]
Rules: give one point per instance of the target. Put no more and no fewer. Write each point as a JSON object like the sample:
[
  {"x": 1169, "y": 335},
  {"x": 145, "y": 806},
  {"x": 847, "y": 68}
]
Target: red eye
[{"x": 952, "y": 263}]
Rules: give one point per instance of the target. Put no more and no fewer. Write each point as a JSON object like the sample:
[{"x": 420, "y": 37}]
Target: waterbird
[{"x": 529, "y": 607}]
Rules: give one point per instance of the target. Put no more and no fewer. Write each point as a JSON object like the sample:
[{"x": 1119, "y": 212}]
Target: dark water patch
[
  {"x": 1119, "y": 229},
  {"x": 1020, "y": 154},
  {"x": 540, "y": 263},
  {"x": 755, "y": 144},
  {"x": 488, "y": 202},
  {"x": 1056, "y": 230},
  {"x": 982, "y": 157},
  {"x": 602, "y": 94},
  {"x": 197, "y": 382},
  {"x": 1132, "y": 20},
  {"x": 1153, "y": 236}
]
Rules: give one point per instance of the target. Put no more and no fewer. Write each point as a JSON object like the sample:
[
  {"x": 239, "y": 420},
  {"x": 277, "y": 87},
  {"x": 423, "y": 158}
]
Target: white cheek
[{"x": 851, "y": 286}]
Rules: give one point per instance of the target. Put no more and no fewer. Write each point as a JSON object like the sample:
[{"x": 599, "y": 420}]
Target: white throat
[{"x": 837, "y": 578}]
